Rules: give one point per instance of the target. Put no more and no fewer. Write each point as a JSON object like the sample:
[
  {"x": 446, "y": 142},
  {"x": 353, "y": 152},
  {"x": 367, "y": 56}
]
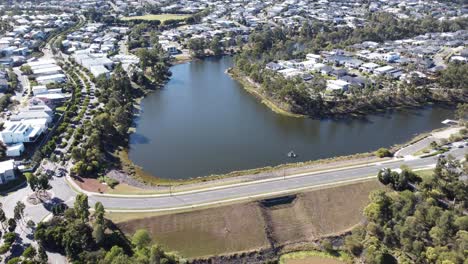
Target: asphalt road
[{"x": 258, "y": 188}]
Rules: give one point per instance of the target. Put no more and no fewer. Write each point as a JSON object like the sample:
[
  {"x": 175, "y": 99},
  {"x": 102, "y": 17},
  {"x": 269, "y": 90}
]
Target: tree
[
  {"x": 81, "y": 207},
  {"x": 29, "y": 252},
  {"x": 11, "y": 224},
  {"x": 18, "y": 211},
  {"x": 327, "y": 246},
  {"x": 38, "y": 183},
  {"x": 30, "y": 224},
  {"x": 2, "y": 218},
  {"x": 197, "y": 46},
  {"x": 141, "y": 238},
  {"x": 385, "y": 176},
  {"x": 98, "y": 233},
  {"x": 99, "y": 212},
  {"x": 41, "y": 254},
  {"x": 462, "y": 111},
  {"x": 215, "y": 46}
]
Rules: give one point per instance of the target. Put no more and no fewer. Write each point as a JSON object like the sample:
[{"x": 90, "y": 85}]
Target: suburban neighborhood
[{"x": 196, "y": 131}]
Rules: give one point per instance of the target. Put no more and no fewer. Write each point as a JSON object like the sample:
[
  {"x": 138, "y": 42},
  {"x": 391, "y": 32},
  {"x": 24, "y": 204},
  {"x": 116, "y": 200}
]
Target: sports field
[{"x": 160, "y": 17}]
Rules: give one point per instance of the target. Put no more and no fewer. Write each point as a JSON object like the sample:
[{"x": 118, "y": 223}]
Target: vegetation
[
  {"x": 272, "y": 44},
  {"x": 383, "y": 152},
  {"x": 86, "y": 238},
  {"x": 423, "y": 221},
  {"x": 455, "y": 76}
]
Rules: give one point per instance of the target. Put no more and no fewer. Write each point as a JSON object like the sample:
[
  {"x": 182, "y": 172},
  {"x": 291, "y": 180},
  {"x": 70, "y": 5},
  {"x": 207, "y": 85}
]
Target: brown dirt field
[
  {"x": 313, "y": 260},
  {"x": 91, "y": 185},
  {"x": 320, "y": 213},
  {"x": 206, "y": 232},
  {"x": 244, "y": 227}
]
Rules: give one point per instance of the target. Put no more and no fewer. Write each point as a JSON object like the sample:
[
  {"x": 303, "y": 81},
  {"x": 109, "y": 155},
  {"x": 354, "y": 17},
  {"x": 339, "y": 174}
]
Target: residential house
[{"x": 7, "y": 171}]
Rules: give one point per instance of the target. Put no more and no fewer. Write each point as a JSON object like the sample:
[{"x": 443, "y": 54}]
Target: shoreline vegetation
[
  {"x": 152, "y": 181},
  {"x": 252, "y": 88},
  {"x": 441, "y": 98}
]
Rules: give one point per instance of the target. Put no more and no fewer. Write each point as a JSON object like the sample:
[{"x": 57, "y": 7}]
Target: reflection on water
[{"x": 203, "y": 123}]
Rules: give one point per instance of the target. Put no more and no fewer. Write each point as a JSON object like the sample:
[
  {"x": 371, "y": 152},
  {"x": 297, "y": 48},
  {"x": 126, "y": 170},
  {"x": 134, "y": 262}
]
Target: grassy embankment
[
  {"x": 314, "y": 257},
  {"x": 245, "y": 227},
  {"x": 160, "y": 17},
  {"x": 145, "y": 177}
]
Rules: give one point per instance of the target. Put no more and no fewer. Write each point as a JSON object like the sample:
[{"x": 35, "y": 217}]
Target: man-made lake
[{"x": 204, "y": 123}]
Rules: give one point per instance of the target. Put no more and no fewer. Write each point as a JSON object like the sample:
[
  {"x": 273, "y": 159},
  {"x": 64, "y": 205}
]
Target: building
[
  {"x": 19, "y": 132},
  {"x": 337, "y": 85},
  {"x": 99, "y": 70},
  {"x": 15, "y": 150},
  {"x": 54, "y": 78},
  {"x": 7, "y": 171}
]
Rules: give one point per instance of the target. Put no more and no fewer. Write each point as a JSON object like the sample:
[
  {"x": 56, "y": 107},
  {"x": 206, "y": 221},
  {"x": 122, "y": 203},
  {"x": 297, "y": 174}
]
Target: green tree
[
  {"x": 29, "y": 253},
  {"x": 81, "y": 207},
  {"x": 141, "y": 238}
]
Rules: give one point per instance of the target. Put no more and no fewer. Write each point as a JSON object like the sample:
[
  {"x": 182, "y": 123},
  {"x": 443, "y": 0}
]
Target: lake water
[{"x": 202, "y": 122}]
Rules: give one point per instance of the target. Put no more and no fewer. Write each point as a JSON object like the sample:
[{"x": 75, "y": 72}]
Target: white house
[
  {"x": 51, "y": 78},
  {"x": 337, "y": 85},
  {"x": 15, "y": 150},
  {"x": 369, "y": 67},
  {"x": 7, "y": 171},
  {"x": 383, "y": 70},
  {"x": 18, "y": 132}
]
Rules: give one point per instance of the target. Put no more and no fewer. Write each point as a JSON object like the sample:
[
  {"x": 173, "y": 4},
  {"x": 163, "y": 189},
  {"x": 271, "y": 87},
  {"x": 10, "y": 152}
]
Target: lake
[{"x": 203, "y": 122}]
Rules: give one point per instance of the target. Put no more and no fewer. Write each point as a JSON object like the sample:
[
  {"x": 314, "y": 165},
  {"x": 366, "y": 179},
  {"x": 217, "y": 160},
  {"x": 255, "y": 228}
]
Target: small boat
[{"x": 291, "y": 154}]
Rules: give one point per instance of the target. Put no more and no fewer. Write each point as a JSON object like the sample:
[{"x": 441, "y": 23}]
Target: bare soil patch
[
  {"x": 90, "y": 185},
  {"x": 221, "y": 230},
  {"x": 252, "y": 226},
  {"x": 39, "y": 197},
  {"x": 320, "y": 213}
]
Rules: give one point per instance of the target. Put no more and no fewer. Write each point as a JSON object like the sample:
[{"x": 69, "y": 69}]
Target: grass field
[
  {"x": 160, "y": 17},
  {"x": 313, "y": 257},
  {"x": 243, "y": 227}
]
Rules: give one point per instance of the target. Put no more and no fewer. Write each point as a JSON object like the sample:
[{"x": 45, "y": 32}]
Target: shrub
[
  {"x": 5, "y": 248},
  {"x": 383, "y": 152},
  {"x": 111, "y": 182},
  {"x": 9, "y": 238}
]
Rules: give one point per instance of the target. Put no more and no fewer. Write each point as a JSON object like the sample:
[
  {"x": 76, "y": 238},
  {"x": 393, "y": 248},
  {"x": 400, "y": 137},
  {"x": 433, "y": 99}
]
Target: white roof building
[
  {"x": 51, "y": 78},
  {"x": 7, "y": 171}
]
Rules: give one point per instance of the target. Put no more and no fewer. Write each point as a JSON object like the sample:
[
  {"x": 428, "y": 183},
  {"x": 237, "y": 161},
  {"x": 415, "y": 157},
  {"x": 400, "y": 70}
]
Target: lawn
[{"x": 160, "y": 17}]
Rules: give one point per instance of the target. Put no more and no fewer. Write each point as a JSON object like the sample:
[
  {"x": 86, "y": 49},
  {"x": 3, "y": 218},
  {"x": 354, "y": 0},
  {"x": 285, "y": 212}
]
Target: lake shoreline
[
  {"x": 152, "y": 180},
  {"x": 253, "y": 89}
]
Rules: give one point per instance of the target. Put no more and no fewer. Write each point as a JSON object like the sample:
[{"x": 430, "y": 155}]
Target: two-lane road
[{"x": 247, "y": 191}]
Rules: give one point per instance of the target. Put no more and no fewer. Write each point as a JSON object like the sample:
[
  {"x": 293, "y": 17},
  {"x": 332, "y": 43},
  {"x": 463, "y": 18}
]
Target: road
[{"x": 290, "y": 183}]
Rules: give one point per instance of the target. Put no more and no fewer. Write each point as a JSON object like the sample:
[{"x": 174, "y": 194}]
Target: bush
[
  {"x": 5, "y": 248},
  {"x": 111, "y": 182},
  {"x": 383, "y": 152},
  {"x": 14, "y": 260},
  {"x": 9, "y": 238}
]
